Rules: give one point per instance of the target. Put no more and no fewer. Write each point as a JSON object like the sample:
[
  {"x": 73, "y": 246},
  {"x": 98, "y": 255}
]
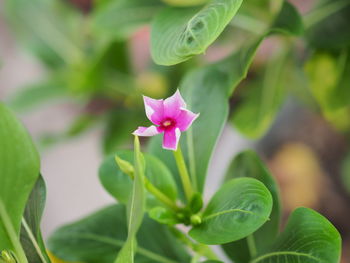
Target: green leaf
[
  {"x": 120, "y": 18},
  {"x": 332, "y": 93},
  {"x": 136, "y": 207},
  {"x": 288, "y": 20},
  {"x": 119, "y": 184},
  {"x": 19, "y": 170},
  {"x": 308, "y": 237},
  {"x": 31, "y": 238},
  {"x": 163, "y": 216},
  {"x": 207, "y": 90},
  {"x": 98, "y": 238},
  {"x": 180, "y": 33},
  {"x": 248, "y": 164},
  {"x": 238, "y": 209},
  {"x": 329, "y": 76}
]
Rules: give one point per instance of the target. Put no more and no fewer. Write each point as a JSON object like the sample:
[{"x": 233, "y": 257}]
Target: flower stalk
[
  {"x": 129, "y": 169},
  {"x": 159, "y": 195},
  {"x": 185, "y": 178}
]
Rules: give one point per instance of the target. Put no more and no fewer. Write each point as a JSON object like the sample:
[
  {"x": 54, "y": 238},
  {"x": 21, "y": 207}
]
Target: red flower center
[{"x": 168, "y": 124}]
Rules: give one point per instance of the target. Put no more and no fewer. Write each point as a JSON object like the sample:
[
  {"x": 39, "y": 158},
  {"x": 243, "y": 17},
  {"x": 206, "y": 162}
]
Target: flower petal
[
  {"x": 147, "y": 131},
  {"x": 173, "y": 105},
  {"x": 185, "y": 119},
  {"x": 154, "y": 109},
  {"x": 171, "y": 139}
]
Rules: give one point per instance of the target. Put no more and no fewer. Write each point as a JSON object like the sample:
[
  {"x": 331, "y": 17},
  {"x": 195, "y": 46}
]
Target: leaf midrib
[
  {"x": 283, "y": 253},
  {"x": 227, "y": 212},
  {"x": 119, "y": 243}
]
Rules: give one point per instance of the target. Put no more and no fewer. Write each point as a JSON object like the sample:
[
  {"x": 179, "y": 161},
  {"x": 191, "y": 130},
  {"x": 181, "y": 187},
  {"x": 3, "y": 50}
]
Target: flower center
[{"x": 168, "y": 123}]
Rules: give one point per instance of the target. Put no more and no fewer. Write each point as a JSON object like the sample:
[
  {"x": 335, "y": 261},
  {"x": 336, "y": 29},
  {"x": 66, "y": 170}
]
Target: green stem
[
  {"x": 185, "y": 178},
  {"x": 19, "y": 252},
  {"x": 129, "y": 169},
  {"x": 251, "y": 246},
  {"x": 207, "y": 252},
  {"x": 159, "y": 195},
  {"x": 200, "y": 249},
  {"x": 192, "y": 160}
]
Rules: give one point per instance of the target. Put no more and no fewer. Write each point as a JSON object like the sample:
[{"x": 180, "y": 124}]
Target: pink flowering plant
[
  {"x": 170, "y": 117},
  {"x": 161, "y": 213}
]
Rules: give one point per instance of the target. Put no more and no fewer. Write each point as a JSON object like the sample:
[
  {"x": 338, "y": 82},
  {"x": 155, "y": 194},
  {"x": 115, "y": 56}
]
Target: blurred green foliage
[{"x": 89, "y": 54}]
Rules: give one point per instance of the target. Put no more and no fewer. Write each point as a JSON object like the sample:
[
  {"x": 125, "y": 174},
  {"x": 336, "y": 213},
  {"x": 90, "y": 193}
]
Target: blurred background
[{"x": 74, "y": 74}]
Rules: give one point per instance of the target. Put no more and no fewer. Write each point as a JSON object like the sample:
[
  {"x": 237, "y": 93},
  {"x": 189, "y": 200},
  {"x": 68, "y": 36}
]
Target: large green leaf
[
  {"x": 19, "y": 170},
  {"x": 180, "y": 33},
  {"x": 136, "y": 207},
  {"x": 31, "y": 238},
  {"x": 248, "y": 164},
  {"x": 238, "y": 209},
  {"x": 207, "y": 90},
  {"x": 119, "y": 18},
  {"x": 99, "y": 237},
  {"x": 119, "y": 184},
  {"x": 308, "y": 237}
]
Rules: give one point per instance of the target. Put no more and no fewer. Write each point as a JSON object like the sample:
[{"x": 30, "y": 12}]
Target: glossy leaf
[
  {"x": 98, "y": 238},
  {"x": 19, "y": 170},
  {"x": 119, "y": 184},
  {"x": 180, "y": 33},
  {"x": 136, "y": 207},
  {"x": 308, "y": 237},
  {"x": 207, "y": 90},
  {"x": 248, "y": 164},
  {"x": 120, "y": 18},
  {"x": 31, "y": 238},
  {"x": 237, "y": 209}
]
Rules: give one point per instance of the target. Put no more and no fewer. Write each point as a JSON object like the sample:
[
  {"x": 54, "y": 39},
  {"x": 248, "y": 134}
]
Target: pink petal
[
  {"x": 173, "y": 105},
  {"x": 147, "y": 131},
  {"x": 171, "y": 139},
  {"x": 185, "y": 119},
  {"x": 154, "y": 109}
]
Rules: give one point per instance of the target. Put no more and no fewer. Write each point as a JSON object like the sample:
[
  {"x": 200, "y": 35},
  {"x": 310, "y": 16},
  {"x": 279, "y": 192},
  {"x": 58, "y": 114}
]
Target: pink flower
[{"x": 170, "y": 117}]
